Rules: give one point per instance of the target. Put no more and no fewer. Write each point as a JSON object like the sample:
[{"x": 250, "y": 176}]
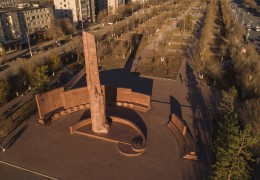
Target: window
[{"x": 64, "y": 5}]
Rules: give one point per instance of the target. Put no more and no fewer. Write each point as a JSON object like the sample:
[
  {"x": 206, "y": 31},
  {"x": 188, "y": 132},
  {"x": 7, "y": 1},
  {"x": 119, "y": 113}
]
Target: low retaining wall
[
  {"x": 185, "y": 141},
  {"x": 179, "y": 124}
]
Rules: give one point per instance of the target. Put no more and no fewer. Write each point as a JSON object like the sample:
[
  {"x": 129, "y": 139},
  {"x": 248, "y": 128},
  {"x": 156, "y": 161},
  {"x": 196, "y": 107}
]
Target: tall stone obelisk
[{"x": 96, "y": 97}]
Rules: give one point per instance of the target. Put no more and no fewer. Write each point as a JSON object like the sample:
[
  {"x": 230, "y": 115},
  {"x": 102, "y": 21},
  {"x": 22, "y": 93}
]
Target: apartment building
[
  {"x": 75, "y": 10},
  {"x": 17, "y": 22},
  {"x": 113, "y": 5},
  {"x": 2, "y": 34},
  {"x": 109, "y": 5},
  {"x": 88, "y": 10},
  {"x": 9, "y": 24},
  {"x": 9, "y": 3},
  {"x": 35, "y": 19}
]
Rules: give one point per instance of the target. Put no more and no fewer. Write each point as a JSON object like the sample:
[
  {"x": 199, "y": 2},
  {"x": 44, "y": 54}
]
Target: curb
[{"x": 24, "y": 169}]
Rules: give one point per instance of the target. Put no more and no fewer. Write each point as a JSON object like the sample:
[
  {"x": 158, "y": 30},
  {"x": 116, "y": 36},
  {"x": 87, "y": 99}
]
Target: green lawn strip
[
  {"x": 160, "y": 67},
  {"x": 17, "y": 117}
]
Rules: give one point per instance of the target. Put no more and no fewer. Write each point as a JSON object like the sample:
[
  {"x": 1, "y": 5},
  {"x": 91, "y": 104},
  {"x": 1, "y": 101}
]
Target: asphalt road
[{"x": 246, "y": 17}]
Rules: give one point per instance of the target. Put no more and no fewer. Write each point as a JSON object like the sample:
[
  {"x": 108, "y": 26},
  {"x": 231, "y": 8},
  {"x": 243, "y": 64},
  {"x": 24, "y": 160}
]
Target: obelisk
[{"x": 96, "y": 97}]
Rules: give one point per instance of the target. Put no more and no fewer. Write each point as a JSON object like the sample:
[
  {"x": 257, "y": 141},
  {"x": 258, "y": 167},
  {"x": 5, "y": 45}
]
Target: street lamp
[
  {"x": 154, "y": 43},
  {"x": 2, "y": 147},
  {"x": 153, "y": 60},
  {"x": 167, "y": 63},
  {"x": 139, "y": 60}
]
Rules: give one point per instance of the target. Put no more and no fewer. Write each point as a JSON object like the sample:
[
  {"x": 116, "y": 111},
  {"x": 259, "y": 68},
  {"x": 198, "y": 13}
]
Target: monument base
[{"x": 129, "y": 138}]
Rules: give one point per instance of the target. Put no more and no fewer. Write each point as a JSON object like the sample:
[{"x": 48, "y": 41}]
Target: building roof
[{"x": 16, "y": 9}]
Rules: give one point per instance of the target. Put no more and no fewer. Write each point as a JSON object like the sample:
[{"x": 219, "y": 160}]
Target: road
[{"x": 245, "y": 17}]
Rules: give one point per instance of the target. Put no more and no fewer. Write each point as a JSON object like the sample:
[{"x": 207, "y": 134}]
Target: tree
[
  {"x": 4, "y": 91},
  {"x": 231, "y": 147},
  {"x": 40, "y": 79},
  {"x": 54, "y": 31},
  {"x": 250, "y": 113},
  {"x": 55, "y": 62},
  {"x": 188, "y": 22},
  {"x": 67, "y": 26},
  {"x": 102, "y": 16},
  {"x": 228, "y": 100}
]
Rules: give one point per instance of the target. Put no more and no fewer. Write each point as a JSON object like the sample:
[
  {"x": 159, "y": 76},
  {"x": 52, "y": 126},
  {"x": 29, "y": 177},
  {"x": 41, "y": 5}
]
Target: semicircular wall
[{"x": 60, "y": 99}]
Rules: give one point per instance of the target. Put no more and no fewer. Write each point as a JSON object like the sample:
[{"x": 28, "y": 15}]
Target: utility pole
[
  {"x": 247, "y": 35},
  {"x": 237, "y": 14},
  {"x": 243, "y": 20},
  {"x": 29, "y": 45}
]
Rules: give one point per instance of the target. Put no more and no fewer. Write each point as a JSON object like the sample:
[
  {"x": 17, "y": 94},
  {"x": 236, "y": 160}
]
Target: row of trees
[
  {"x": 200, "y": 53},
  {"x": 235, "y": 136},
  {"x": 251, "y": 3},
  {"x": 128, "y": 9},
  {"x": 150, "y": 21},
  {"x": 246, "y": 65},
  {"x": 35, "y": 76},
  {"x": 60, "y": 28}
]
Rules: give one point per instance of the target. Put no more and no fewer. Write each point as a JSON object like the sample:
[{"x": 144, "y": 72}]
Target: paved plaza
[{"x": 53, "y": 151}]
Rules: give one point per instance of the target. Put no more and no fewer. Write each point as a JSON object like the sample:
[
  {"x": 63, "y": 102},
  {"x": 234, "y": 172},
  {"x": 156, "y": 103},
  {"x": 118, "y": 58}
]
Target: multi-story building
[
  {"x": 88, "y": 10},
  {"x": 9, "y": 3},
  {"x": 10, "y": 24},
  {"x": 75, "y": 10},
  {"x": 109, "y": 5},
  {"x": 113, "y": 5},
  {"x": 35, "y": 19},
  {"x": 102, "y": 5},
  {"x": 16, "y": 23},
  {"x": 2, "y": 34}
]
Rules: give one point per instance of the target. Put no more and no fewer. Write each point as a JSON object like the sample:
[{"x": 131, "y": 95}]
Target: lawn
[
  {"x": 15, "y": 117},
  {"x": 160, "y": 67}
]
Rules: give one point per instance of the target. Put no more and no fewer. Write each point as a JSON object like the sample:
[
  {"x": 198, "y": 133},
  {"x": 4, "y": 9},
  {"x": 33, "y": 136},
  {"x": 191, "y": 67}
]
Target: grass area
[
  {"x": 180, "y": 39},
  {"x": 178, "y": 46},
  {"x": 160, "y": 67},
  {"x": 112, "y": 62},
  {"x": 15, "y": 118}
]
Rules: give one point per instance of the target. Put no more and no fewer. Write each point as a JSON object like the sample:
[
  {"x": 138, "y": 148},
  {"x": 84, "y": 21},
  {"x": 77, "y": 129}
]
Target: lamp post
[
  {"x": 29, "y": 45},
  {"x": 154, "y": 43},
  {"x": 2, "y": 147},
  {"x": 167, "y": 63},
  {"x": 139, "y": 60},
  {"x": 153, "y": 60}
]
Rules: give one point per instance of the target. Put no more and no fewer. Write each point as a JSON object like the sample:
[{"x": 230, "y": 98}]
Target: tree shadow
[
  {"x": 11, "y": 109},
  {"x": 16, "y": 136},
  {"x": 122, "y": 78},
  {"x": 201, "y": 122},
  {"x": 175, "y": 107}
]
